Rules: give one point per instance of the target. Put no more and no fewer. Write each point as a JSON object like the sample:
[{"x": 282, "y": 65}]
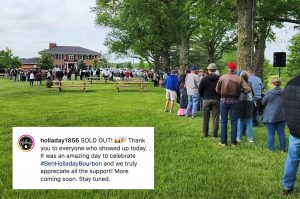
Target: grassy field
[{"x": 186, "y": 165}]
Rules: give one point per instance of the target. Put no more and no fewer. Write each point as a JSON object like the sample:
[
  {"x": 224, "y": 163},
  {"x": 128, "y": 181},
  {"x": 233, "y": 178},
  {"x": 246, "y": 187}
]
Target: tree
[
  {"x": 128, "y": 65},
  {"x": 217, "y": 31},
  {"x": 45, "y": 61},
  {"x": 279, "y": 11},
  {"x": 245, "y": 32},
  {"x": 145, "y": 28},
  {"x": 227, "y": 57},
  {"x": 8, "y": 60},
  {"x": 293, "y": 62},
  {"x": 82, "y": 65},
  {"x": 265, "y": 15},
  {"x": 95, "y": 64}
]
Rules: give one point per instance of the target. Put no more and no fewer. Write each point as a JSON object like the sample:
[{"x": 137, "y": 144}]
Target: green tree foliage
[
  {"x": 129, "y": 65},
  {"x": 103, "y": 62},
  {"x": 269, "y": 72},
  {"x": 45, "y": 61},
  {"x": 293, "y": 62},
  {"x": 216, "y": 31},
  {"x": 227, "y": 57},
  {"x": 8, "y": 60},
  {"x": 82, "y": 65},
  {"x": 279, "y": 11},
  {"x": 96, "y": 63},
  {"x": 145, "y": 28}
]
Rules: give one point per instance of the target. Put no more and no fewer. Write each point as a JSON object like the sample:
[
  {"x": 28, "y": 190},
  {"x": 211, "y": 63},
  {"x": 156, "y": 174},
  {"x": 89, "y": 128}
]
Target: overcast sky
[{"x": 27, "y": 26}]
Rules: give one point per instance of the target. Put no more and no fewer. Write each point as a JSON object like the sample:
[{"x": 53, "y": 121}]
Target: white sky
[
  {"x": 27, "y": 26},
  {"x": 281, "y": 43}
]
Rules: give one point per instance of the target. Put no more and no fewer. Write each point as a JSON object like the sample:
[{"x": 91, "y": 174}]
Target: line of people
[
  {"x": 236, "y": 95},
  {"x": 241, "y": 98}
]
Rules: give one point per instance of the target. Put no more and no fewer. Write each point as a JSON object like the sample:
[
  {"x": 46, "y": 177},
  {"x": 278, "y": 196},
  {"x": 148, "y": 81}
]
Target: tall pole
[{"x": 279, "y": 71}]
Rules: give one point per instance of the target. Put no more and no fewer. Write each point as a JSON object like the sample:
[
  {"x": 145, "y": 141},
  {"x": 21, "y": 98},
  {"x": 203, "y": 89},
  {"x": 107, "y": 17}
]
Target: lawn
[{"x": 186, "y": 165}]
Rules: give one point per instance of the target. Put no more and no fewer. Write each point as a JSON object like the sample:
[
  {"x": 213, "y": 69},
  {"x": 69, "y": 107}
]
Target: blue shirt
[
  {"x": 256, "y": 86},
  {"x": 172, "y": 83}
]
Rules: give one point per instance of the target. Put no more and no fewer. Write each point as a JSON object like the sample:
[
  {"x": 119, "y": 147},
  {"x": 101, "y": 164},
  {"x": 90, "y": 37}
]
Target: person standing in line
[
  {"x": 230, "y": 86},
  {"x": 98, "y": 74},
  {"x": 127, "y": 74},
  {"x": 76, "y": 73},
  {"x": 192, "y": 82},
  {"x": 256, "y": 84},
  {"x": 81, "y": 74},
  {"x": 211, "y": 100},
  {"x": 38, "y": 78},
  {"x": 273, "y": 115},
  {"x": 14, "y": 73},
  {"x": 245, "y": 111},
  {"x": 155, "y": 79},
  {"x": 183, "y": 97},
  {"x": 291, "y": 99},
  {"x": 31, "y": 78},
  {"x": 172, "y": 86},
  {"x": 201, "y": 74}
]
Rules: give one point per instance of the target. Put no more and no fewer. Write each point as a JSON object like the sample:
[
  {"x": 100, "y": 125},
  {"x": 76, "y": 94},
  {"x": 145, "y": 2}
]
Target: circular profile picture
[{"x": 26, "y": 143}]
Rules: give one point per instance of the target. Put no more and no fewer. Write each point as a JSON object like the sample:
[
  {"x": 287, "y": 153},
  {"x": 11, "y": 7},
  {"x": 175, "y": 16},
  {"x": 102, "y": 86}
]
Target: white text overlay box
[{"x": 83, "y": 158}]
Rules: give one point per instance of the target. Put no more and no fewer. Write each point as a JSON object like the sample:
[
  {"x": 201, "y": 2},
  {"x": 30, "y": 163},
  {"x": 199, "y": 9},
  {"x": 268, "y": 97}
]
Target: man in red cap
[{"x": 230, "y": 86}]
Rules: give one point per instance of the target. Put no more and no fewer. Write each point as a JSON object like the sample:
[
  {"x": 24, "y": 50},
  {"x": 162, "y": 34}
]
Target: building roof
[
  {"x": 33, "y": 60},
  {"x": 75, "y": 50}
]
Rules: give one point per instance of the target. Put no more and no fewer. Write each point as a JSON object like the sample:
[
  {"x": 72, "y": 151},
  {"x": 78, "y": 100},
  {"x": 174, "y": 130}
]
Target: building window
[
  {"x": 80, "y": 57},
  {"x": 59, "y": 57},
  {"x": 91, "y": 57},
  {"x": 53, "y": 56},
  {"x": 86, "y": 57},
  {"x": 71, "y": 57}
]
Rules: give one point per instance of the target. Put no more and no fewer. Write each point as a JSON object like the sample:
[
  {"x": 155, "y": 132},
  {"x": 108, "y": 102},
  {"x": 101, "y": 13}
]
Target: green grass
[{"x": 186, "y": 165}]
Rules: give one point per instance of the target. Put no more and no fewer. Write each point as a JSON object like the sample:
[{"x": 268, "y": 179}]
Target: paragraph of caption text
[{"x": 83, "y": 158}]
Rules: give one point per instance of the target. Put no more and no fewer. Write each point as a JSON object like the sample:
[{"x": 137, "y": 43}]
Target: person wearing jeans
[
  {"x": 249, "y": 129},
  {"x": 279, "y": 127},
  {"x": 291, "y": 164},
  {"x": 225, "y": 108},
  {"x": 230, "y": 86},
  {"x": 256, "y": 85},
  {"x": 273, "y": 115},
  {"x": 193, "y": 101},
  {"x": 292, "y": 109},
  {"x": 192, "y": 82},
  {"x": 245, "y": 111}
]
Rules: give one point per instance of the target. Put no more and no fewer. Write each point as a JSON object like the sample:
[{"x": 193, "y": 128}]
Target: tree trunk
[
  {"x": 156, "y": 63},
  {"x": 166, "y": 60},
  {"x": 259, "y": 57},
  {"x": 211, "y": 55},
  {"x": 260, "y": 46},
  {"x": 184, "y": 53},
  {"x": 245, "y": 33}
]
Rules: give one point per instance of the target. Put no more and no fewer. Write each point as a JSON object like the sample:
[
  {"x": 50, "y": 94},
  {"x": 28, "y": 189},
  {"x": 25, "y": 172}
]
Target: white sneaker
[
  {"x": 238, "y": 140},
  {"x": 250, "y": 141}
]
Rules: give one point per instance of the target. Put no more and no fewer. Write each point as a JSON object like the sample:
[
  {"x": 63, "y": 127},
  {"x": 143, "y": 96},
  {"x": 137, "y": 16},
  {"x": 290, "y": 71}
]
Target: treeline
[{"x": 180, "y": 33}]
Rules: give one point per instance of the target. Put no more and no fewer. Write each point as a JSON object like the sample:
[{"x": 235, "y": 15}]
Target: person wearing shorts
[{"x": 172, "y": 86}]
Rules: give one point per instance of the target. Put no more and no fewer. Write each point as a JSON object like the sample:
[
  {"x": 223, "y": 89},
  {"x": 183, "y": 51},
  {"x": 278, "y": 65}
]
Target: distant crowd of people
[{"x": 37, "y": 75}]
